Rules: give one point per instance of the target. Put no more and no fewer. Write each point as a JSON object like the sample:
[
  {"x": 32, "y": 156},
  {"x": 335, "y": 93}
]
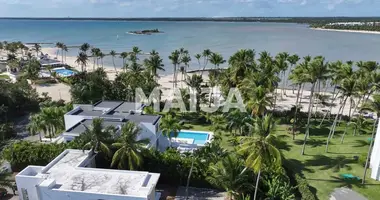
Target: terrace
[{"x": 72, "y": 173}]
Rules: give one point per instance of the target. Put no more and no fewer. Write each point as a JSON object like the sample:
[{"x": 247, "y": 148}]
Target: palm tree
[
  {"x": 242, "y": 62},
  {"x": 298, "y": 77},
  {"x": 198, "y": 57},
  {"x": 113, "y": 54},
  {"x": 206, "y": 57},
  {"x": 101, "y": 55},
  {"x": 316, "y": 71},
  {"x": 293, "y": 59},
  {"x": 95, "y": 54},
  {"x": 231, "y": 175},
  {"x": 153, "y": 64},
  {"x": 124, "y": 56},
  {"x": 37, "y": 48},
  {"x": 65, "y": 49},
  {"x": 186, "y": 59},
  {"x": 347, "y": 89},
  {"x": 170, "y": 127},
  {"x": 260, "y": 149},
  {"x": 373, "y": 106},
  {"x": 84, "y": 47},
  {"x": 59, "y": 46},
  {"x": 282, "y": 65},
  {"x": 82, "y": 60},
  {"x": 98, "y": 135},
  {"x": 259, "y": 101},
  {"x": 35, "y": 126},
  {"x": 128, "y": 148},
  {"x": 175, "y": 58}
]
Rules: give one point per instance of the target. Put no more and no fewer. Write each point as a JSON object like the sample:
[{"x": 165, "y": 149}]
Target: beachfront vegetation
[{"x": 265, "y": 152}]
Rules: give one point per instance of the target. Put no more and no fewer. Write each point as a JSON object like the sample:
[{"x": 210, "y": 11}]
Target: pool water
[
  {"x": 198, "y": 137},
  {"x": 64, "y": 72}
]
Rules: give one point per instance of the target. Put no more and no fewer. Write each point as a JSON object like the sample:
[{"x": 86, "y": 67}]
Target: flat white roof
[{"x": 69, "y": 172}]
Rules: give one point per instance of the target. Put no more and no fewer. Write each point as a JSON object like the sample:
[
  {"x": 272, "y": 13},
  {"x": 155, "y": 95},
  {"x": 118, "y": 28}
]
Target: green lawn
[{"x": 322, "y": 169}]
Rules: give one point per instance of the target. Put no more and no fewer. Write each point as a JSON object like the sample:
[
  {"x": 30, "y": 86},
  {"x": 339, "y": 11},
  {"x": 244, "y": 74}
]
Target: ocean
[{"x": 223, "y": 37}]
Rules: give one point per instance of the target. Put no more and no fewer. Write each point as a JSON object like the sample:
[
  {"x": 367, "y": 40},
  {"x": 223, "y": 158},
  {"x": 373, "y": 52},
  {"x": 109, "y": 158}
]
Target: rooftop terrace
[{"x": 71, "y": 172}]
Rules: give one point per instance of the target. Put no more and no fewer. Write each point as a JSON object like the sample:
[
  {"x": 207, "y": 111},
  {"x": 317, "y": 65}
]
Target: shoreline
[{"x": 346, "y": 30}]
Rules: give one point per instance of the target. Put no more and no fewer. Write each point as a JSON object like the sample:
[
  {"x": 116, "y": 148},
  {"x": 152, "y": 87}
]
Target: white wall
[
  {"x": 375, "y": 156},
  {"x": 27, "y": 180}
]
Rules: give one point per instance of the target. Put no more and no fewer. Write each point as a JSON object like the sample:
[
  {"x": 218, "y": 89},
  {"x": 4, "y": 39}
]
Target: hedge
[{"x": 304, "y": 189}]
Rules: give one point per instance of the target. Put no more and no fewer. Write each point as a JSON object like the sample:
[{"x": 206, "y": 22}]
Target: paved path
[
  {"x": 199, "y": 193},
  {"x": 346, "y": 194}
]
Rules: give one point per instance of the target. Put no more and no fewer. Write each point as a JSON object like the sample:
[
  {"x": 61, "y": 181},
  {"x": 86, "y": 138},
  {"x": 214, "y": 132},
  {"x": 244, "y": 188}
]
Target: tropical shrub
[
  {"x": 304, "y": 189},
  {"x": 24, "y": 153}
]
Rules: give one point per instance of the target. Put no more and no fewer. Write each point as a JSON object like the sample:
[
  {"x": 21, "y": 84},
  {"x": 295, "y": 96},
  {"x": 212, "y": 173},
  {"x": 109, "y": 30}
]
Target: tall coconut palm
[
  {"x": 99, "y": 135},
  {"x": 154, "y": 64},
  {"x": 260, "y": 149},
  {"x": 124, "y": 56},
  {"x": 175, "y": 59},
  {"x": 206, "y": 57},
  {"x": 82, "y": 60},
  {"x": 293, "y": 59},
  {"x": 101, "y": 55},
  {"x": 297, "y": 76},
  {"x": 94, "y": 55},
  {"x": 170, "y": 127},
  {"x": 35, "y": 126},
  {"x": 281, "y": 62},
  {"x": 259, "y": 101},
  {"x": 198, "y": 57},
  {"x": 113, "y": 54},
  {"x": 37, "y": 48},
  {"x": 65, "y": 49},
  {"x": 186, "y": 59},
  {"x": 373, "y": 106},
  {"x": 128, "y": 148},
  {"x": 59, "y": 46},
  {"x": 231, "y": 175},
  {"x": 348, "y": 90},
  {"x": 84, "y": 47},
  {"x": 241, "y": 62},
  {"x": 316, "y": 70}
]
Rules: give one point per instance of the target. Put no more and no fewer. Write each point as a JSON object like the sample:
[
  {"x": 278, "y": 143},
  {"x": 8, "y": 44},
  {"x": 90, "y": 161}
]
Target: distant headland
[{"x": 145, "y": 32}]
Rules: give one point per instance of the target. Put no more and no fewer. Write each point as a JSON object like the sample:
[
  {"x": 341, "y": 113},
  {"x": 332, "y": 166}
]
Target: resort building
[
  {"x": 73, "y": 176},
  {"x": 114, "y": 113},
  {"x": 375, "y": 156}
]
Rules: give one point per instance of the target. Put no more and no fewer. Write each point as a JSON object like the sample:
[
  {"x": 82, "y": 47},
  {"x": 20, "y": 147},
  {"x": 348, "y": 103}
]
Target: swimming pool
[
  {"x": 198, "y": 137},
  {"x": 64, "y": 72}
]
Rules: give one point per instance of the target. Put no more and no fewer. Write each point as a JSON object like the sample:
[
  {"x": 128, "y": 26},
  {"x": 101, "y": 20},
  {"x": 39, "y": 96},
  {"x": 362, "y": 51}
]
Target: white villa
[
  {"x": 114, "y": 113},
  {"x": 375, "y": 156},
  {"x": 72, "y": 176}
]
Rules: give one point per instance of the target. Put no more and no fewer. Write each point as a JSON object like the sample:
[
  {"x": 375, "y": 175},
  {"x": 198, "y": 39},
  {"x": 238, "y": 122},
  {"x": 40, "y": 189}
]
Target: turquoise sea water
[
  {"x": 222, "y": 37},
  {"x": 198, "y": 137}
]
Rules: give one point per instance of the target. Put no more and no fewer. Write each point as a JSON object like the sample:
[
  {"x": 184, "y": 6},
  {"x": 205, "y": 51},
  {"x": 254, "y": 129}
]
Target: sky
[{"x": 187, "y": 8}]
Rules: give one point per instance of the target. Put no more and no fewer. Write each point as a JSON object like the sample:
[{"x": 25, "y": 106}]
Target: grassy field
[{"x": 322, "y": 170}]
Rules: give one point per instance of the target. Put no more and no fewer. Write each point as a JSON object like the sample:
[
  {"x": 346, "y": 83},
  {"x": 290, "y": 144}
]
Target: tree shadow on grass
[
  {"x": 349, "y": 183},
  {"x": 281, "y": 143},
  {"x": 326, "y": 163},
  {"x": 297, "y": 166},
  {"x": 361, "y": 143},
  {"x": 311, "y": 142}
]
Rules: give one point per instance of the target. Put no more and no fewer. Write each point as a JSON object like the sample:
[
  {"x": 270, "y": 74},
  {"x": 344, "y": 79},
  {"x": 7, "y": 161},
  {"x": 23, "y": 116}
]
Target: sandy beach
[
  {"x": 61, "y": 91},
  {"x": 347, "y": 31}
]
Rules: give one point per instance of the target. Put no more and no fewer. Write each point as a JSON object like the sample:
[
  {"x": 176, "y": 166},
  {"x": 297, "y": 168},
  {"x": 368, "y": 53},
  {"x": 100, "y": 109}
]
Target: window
[{"x": 24, "y": 194}]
